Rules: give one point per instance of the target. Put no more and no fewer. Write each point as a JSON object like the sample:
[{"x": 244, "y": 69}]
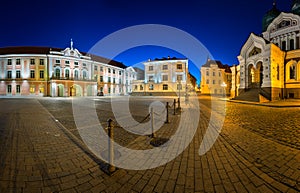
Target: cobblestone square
[{"x": 41, "y": 150}]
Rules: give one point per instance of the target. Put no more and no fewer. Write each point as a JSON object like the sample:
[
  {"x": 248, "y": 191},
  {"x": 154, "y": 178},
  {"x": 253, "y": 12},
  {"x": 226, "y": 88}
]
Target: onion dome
[
  {"x": 270, "y": 16},
  {"x": 296, "y": 7}
]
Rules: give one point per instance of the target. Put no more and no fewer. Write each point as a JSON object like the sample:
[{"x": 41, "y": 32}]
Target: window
[
  {"x": 120, "y": 81},
  {"x": 9, "y": 62},
  {"x": 109, "y": 70},
  {"x": 219, "y": 74},
  {"x": 41, "y": 74},
  {"x": 57, "y": 61},
  {"x": 108, "y": 89},
  {"x": 18, "y": 74},
  {"x": 84, "y": 64},
  {"x": 214, "y": 74},
  {"x": 95, "y": 68},
  {"x": 101, "y": 78},
  {"x": 179, "y": 77},
  {"x": 76, "y": 63},
  {"x": 8, "y": 74},
  {"x": 67, "y": 73},
  {"x": 120, "y": 73},
  {"x": 292, "y": 72},
  {"x": 67, "y": 62},
  {"x": 292, "y": 44},
  {"x": 179, "y": 86},
  {"x": 284, "y": 45},
  {"x": 101, "y": 69},
  {"x": 18, "y": 61},
  {"x": 42, "y": 62},
  {"x": 151, "y": 78},
  {"x": 76, "y": 74},
  {"x": 207, "y": 81},
  {"x": 18, "y": 88},
  {"x": 84, "y": 75},
  {"x": 165, "y": 67},
  {"x": 32, "y": 89},
  {"x": 165, "y": 87},
  {"x": 57, "y": 73},
  {"x": 32, "y": 74},
  {"x": 114, "y": 80},
  {"x": 165, "y": 77},
  {"x": 96, "y": 77},
  {"x": 114, "y": 71},
  {"x": 8, "y": 88},
  {"x": 150, "y": 68},
  {"x": 179, "y": 66},
  {"x": 214, "y": 82},
  {"x": 141, "y": 87},
  {"x": 207, "y": 73},
  {"x": 32, "y": 61},
  {"x": 151, "y": 87},
  {"x": 109, "y": 79}
]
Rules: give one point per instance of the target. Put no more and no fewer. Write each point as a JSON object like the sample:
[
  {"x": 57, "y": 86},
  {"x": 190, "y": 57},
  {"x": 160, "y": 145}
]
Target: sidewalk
[{"x": 277, "y": 104}]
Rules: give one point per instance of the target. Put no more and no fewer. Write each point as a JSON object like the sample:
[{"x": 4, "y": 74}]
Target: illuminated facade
[
  {"x": 215, "y": 78},
  {"x": 43, "y": 71},
  {"x": 270, "y": 63},
  {"x": 164, "y": 76}
]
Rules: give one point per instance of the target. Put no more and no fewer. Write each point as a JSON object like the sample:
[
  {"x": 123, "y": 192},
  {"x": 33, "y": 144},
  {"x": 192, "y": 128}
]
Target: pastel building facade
[
  {"x": 215, "y": 78},
  {"x": 45, "y": 71}
]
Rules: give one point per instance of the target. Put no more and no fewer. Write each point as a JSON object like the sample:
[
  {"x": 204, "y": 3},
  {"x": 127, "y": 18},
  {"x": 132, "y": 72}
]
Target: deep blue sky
[{"x": 222, "y": 26}]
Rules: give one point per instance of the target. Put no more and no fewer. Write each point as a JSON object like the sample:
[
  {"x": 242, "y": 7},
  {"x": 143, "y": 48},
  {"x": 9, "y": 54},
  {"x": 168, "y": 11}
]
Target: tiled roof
[{"x": 46, "y": 50}]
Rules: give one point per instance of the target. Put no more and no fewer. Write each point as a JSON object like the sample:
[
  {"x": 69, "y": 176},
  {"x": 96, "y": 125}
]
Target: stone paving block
[{"x": 160, "y": 186}]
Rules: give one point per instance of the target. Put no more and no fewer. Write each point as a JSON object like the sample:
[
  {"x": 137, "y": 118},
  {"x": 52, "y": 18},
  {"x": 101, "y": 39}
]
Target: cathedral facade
[{"x": 269, "y": 64}]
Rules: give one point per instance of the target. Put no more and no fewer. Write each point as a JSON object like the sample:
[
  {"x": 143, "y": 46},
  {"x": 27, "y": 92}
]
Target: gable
[{"x": 253, "y": 46}]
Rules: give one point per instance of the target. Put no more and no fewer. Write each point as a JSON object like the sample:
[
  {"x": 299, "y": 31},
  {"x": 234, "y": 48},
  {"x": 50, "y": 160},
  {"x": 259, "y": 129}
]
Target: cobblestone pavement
[{"x": 40, "y": 154}]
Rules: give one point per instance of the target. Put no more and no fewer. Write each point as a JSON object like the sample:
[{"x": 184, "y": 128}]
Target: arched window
[
  {"x": 57, "y": 73},
  {"x": 292, "y": 44},
  {"x": 84, "y": 75},
  {"x": 67, "y": 73},
  {"x": 76, "y": 75},
  {"x": 293, "y": 72}
]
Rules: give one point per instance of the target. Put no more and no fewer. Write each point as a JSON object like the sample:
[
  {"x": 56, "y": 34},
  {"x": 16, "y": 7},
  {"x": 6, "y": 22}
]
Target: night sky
[{"x": 221, "y": 26}]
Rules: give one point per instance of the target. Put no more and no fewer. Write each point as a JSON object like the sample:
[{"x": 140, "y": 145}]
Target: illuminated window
[
  {"x": 9, "y": 62},
  {"x": 8, "y": 88},
  {"x": 9, "y": 74},
  {"x": 32, "y": 61},
  {"x": 18, "y": 89},
  {"x": 32, "y": 74},
  {"x": 165, "y": 67},
  {"x": 18, "y": 74},
  {"x": 18, "y": 61},
  {"x": 41, "y": 89},
  {"x": 32, "y": 89},
  {"x": 41, "y": 74},
  {"x": 42, "y": 62},
  {"x": 165, "y": 77},
  {"x": 179, "y": 66},
  {"x": 150, "y": 68},
  {"x": 67, "y": 74},
  {"x": 165, "y": 87}
]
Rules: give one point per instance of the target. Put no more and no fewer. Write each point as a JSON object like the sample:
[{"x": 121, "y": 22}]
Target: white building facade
[
  {"x": 44, "y": 71},
  {"x": 167, "y": 76}
]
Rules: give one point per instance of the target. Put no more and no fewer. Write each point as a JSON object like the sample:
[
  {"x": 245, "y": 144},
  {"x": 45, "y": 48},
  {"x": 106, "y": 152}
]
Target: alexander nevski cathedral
[{"x": 269, "y": 64}]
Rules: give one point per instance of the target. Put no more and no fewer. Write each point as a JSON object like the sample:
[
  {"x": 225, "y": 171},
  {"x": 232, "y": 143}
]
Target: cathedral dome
[
  {"x": 270, "y": 16},
  {"x": 296, "y": 7}
]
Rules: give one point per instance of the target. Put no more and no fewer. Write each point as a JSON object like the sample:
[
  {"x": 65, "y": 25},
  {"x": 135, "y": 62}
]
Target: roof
[
  {"x": 219, "y": 63},
  {"x": 168, "y": 58},
  {"x": 46, "y": 50}
]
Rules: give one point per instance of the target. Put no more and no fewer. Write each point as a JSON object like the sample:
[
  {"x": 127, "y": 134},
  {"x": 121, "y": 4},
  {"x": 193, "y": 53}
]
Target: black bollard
[{"x": 167, "y": 116}]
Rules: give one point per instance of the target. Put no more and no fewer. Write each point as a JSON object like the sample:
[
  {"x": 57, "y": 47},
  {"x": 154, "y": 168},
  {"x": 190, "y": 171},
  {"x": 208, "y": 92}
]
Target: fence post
[
  {"x": 167, "y": 116},
  {"x": 152, "y": 122},
  {"x": 174, "y": 104},
  {"x": 110, "y": 146}
]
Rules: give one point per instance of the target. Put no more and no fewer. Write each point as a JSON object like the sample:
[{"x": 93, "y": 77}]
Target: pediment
[
  {"x": 253, "y": 46},
  {"x": 71, "y": 53},
  {"x": 284, "y": 20}
]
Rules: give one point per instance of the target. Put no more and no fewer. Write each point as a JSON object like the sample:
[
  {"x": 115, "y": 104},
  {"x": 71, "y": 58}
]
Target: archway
[
  {"x": 251, "y": 76},
  {"x": 60, "y": 90},
  {"x": 75, "y": 90}
]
